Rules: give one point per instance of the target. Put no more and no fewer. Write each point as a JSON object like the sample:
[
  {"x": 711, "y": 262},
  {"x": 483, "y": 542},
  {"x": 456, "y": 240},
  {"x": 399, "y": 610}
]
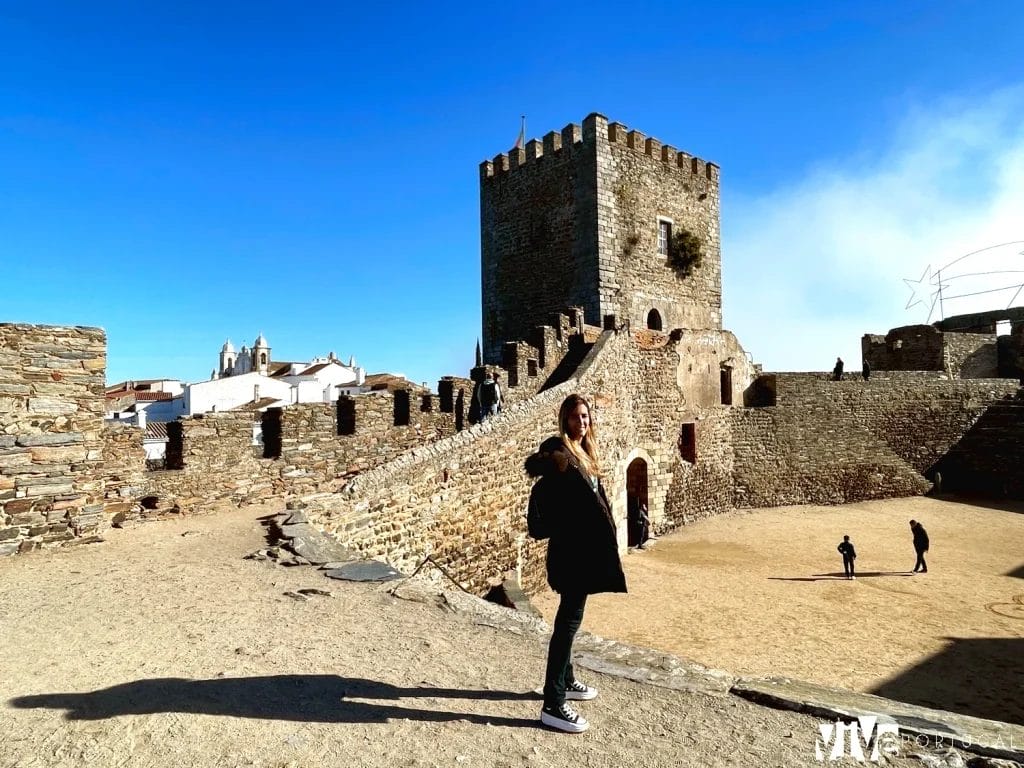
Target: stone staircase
[{"x": 989, "y": 458}]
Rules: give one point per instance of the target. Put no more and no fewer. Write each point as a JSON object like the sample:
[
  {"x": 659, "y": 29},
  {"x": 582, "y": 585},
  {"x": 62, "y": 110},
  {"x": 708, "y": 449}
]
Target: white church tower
[
  {"x": 228, "y": 356},
  {"x": 261, "y": 355}
]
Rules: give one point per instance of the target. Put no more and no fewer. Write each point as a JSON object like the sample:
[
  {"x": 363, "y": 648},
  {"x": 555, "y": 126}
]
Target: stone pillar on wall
[
  {"x": 124, "y": 468},
  {"x": 51, "y": 450}
]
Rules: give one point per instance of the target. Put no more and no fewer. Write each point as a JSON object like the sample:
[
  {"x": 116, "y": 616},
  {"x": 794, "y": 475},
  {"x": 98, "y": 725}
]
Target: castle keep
[
  {"x": 601, "y": 274},
  {"x": 587, "y": 217}
]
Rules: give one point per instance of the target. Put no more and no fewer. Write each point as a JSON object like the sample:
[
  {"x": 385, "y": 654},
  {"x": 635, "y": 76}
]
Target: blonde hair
[{"x": 585, "y": 452}]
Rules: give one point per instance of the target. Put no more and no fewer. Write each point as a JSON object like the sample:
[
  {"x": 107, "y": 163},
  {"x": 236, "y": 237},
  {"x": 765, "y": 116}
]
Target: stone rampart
[
  {"x": 51, "y": 418},
  {"x": 828, "y": 442}
]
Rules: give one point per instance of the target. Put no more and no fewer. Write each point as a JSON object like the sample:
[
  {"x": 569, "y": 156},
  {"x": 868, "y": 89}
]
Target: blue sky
[{"x": 187, "y": 173}]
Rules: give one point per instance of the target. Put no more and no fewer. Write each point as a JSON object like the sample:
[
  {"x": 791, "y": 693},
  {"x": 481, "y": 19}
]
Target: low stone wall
[
  {"x": 218, "y": 463},
  {"x": 51, "y": 416}
]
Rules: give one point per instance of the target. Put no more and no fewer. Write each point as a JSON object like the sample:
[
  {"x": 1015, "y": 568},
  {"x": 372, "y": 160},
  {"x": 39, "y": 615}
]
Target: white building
[
  {"x": 320, "y": 380},
  {"x": 148, "y": 400},
  {"x": 245, "y": 377},
  {"x": 235, "y": 390}
]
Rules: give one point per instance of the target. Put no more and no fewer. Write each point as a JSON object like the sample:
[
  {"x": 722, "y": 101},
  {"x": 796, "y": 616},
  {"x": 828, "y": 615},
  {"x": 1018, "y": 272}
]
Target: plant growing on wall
[
  {"x": 631, "y": 243},
  {"x": 686, "y": 252}
]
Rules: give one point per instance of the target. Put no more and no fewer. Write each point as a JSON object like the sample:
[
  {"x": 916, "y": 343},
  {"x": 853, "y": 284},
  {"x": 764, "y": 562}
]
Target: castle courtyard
[
  {"x": 762, "y": 592},
  {"x": 162, "y": 646}
]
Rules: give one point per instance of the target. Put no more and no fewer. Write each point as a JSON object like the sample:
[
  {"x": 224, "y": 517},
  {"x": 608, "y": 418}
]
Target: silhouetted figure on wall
[
  {"x": 920, "y": 545},
  {"x": 849, "y": 555},
  {"x": 837, "y": 372},
  {"x": 865, "y": 370}
]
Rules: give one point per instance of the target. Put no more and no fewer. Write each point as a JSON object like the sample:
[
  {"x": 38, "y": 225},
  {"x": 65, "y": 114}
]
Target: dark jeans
[
  {"x": 920, "y": 564},
  {"x": 559, "y": 671},
  {"x": 848, "y": 565}
]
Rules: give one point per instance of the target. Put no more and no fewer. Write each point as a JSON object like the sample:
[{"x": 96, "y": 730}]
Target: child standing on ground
[{"x": 849, "y": 555}]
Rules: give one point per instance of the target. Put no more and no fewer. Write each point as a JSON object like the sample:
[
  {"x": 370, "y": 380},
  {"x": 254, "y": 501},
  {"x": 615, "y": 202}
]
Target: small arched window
[
  {"x": 654, "y": 320},
  {"x": 263, "y": 358}
]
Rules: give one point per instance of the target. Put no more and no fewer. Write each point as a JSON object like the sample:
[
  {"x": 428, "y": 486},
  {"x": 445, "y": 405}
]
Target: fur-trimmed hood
[{"x": 551, "y": 457}]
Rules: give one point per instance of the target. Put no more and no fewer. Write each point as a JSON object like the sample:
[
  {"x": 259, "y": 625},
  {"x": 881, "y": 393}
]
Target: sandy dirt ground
[
  {"x": 163, "y": 647},
  {"x": 762, "y": 593}
]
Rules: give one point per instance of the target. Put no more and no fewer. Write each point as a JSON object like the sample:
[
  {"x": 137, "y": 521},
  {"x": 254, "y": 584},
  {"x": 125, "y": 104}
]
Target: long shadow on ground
[
  {"x": 306, "y": 698},
  {"x": 840, "y": 576},
  {"x": 982, "y": 677}
]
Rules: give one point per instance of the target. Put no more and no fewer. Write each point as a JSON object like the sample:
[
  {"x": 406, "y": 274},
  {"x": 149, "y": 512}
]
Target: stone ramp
[{"x": 290, "y": 531}]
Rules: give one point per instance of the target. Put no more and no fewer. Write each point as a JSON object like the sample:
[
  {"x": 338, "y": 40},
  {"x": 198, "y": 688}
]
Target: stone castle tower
[{"x": 590, "y": 217}]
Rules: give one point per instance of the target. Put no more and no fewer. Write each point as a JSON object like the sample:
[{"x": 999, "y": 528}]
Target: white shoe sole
[
  {"x": 577, "y": 696},
  {"x": 564, "y": 725}
]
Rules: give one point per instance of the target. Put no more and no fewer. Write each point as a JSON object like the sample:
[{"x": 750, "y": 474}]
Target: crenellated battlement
[
  {"x": 619, "y": 135},
  {"x": 554, "y": 144},
  {"x": 596, "y": 127}
]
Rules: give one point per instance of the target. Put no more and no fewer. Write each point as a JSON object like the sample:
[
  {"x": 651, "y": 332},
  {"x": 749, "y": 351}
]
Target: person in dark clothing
[
  {"x": 643, "y": 525},
  {"x": 837, "y": 372},
  {"x": 489, "y": 396},
  {"x": 849, "y": 555},
  {"x": 583, "y": 552},
  {"x": 920, "y": 545},
  {"x": 865, "y": 370},
  {"x": 639, "y": 524}
]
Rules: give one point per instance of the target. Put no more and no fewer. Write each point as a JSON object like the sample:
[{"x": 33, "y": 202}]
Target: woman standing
[{"x": 583, "y": 553}]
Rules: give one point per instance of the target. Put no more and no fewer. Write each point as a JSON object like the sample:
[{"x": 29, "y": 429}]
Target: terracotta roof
[
  {"x": 391, "y": 382},
  {"x": 124, "y": 384},
  {"x": 280, "y": 369},
  {"x": 153, "y": 396},
  {"x": 255, "y": 405},
  {"x": 138, "y": 395},
  {"x": 156, "y": 430}
]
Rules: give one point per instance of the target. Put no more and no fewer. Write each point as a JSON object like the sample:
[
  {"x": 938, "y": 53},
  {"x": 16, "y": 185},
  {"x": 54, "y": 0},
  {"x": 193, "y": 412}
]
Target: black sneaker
[
  {"x": 577, "y": 691},
  {"x": 564, "y": 718}
]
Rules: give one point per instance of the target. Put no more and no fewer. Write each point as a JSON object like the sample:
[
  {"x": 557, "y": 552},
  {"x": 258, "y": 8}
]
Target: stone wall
[
  {"x": 123, "y": 472},
  {"x": 831, "y": 442},
  {"x": 462, "y": 501},
  {"x": 51, "y": 417},
  {"x": 970, "y": 355},
  {"x": 909, "y": 348},
  {"x": 640, "y": 180},
  {"x": 537, "y": 231},
  {"x": 965, "y": 347},
  {"x": 988, "y": 458},
  {"x": 219, "y": 463}
]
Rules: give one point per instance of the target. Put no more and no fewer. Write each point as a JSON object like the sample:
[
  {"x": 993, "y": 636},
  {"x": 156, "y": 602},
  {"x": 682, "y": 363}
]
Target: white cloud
[{"x": 811, "y": 267}]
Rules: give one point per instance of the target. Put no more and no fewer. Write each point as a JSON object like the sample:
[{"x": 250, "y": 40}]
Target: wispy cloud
[{"x": 811, "y": 267}]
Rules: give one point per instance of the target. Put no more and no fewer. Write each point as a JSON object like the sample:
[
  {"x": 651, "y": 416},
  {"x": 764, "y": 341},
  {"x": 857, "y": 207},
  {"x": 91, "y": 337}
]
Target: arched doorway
[
  {"x": 637, "y": 504},
  {"x": 654, "y": 320}
]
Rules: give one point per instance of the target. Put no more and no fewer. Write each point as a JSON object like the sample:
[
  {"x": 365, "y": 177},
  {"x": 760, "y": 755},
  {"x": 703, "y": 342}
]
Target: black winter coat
[
  {"x": 920, "y": 538},
  {"x": 583, "y": 551}
]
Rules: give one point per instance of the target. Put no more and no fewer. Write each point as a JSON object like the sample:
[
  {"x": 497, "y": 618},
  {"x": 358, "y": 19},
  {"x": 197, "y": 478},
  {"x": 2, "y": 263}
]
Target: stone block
[{"x": 64, "y": 438}]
